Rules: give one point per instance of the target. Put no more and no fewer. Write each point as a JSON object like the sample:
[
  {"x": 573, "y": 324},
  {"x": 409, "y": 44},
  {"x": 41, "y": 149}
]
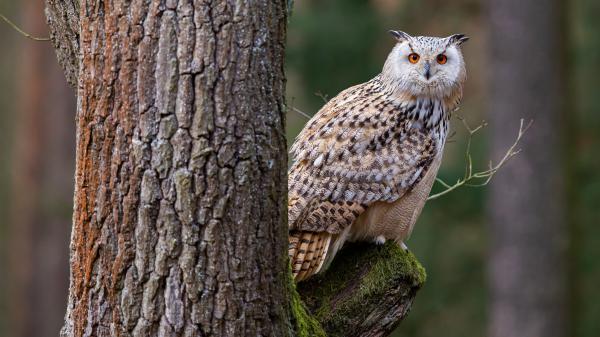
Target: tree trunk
[
  {"x": 528, "y": 224},
  {"x": 180, "y": 220},
  {"x": 179, "y": 224},
  {"x": 42, "y": 191},
  {"x": 63, "y": 21}
]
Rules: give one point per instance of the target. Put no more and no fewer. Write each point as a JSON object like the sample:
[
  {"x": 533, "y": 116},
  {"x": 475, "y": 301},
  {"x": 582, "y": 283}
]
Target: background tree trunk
[
  {"x": 42, "y": 189},
  {"x": 179, "y": 224},
  {"x": 527, "y": 209}
]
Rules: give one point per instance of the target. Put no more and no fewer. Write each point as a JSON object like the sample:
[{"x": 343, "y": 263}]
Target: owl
[{"x": 365, "y": 163}]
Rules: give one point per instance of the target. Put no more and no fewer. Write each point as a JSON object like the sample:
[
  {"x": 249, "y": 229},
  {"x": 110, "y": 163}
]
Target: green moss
[
  {"x": 305, "y": 324},
  {"x": 371, "y": 272}
]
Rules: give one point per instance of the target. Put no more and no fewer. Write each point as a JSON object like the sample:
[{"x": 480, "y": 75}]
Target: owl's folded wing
[{"x": 351, "y": 163}]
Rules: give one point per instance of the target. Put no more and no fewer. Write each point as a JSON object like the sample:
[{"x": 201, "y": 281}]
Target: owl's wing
[
  {"x": 362, "y": 147},
  {"x": 359, "y": 149}
]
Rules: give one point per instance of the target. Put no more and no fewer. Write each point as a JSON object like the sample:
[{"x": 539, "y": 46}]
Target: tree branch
[
  {"x": 481, "y": 178},
  {"x": 367, "y": 291}
]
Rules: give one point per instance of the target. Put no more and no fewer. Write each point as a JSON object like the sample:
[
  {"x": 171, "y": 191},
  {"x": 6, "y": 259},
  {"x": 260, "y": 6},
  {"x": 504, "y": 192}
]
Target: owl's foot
[
  {"x": 379, "y": 240},
  {"x": 403, "y": 246}
]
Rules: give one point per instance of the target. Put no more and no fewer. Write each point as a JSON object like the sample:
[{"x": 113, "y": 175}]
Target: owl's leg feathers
[{"x": 307, "y": 252}]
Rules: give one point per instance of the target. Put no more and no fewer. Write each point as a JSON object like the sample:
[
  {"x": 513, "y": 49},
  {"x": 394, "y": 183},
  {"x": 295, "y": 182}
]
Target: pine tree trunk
[
  {"x": 179, "y": 225},
  {"x": 528, "y": 227}
]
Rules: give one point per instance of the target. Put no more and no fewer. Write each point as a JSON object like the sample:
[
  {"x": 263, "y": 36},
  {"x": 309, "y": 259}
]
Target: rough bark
[
  {"x": 528, "y": 225},
  {"x": 63, "y": 20},
  {"x": 42, "y": 189},
  {"x": 367, "y": 291},
  {"x": 179, "y": 224}
]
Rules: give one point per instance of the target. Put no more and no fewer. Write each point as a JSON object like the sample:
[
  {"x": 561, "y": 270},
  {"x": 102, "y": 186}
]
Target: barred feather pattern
[
  {"x": 366, "y": 145},
  {"x": 307, "y": 251}
]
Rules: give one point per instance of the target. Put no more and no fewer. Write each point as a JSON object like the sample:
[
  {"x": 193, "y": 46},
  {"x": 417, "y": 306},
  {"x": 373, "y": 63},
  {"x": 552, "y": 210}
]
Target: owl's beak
[{"x": 427, "y": 68}]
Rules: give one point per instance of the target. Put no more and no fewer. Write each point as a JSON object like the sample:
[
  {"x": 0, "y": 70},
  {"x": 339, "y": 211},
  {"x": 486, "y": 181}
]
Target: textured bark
[
  {"x": 42, "y": 190},
  {"x": 528, "y": 227},
  {"x": 63, "y": 20},
  {"x": 180, "y": 225},
  {"x": 366, "y": 292}
]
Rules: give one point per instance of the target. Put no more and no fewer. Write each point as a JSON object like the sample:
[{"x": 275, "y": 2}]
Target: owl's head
[{"x": 426, "y": 66}]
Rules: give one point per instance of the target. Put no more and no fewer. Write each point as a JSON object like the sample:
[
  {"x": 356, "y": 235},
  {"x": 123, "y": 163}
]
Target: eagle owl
[{"x": 365, "y": 163}]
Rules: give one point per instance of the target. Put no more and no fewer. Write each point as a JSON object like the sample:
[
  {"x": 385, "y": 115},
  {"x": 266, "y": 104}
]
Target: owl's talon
[
  {"x": 380, "y": 240},
  {"x": 404, "y": 246}
]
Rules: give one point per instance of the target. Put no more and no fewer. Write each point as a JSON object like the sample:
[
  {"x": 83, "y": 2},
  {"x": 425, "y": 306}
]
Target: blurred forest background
[{"x": 333, "y": 44}]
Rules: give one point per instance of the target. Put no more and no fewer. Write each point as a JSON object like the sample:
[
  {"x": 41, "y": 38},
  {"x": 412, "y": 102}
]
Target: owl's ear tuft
[
  {"x": 400, "y": 35},
  {"x": 457, "y": 39}
]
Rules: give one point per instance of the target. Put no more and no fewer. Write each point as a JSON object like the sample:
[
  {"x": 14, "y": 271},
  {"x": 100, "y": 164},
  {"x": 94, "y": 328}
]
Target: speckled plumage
[{"x": 366, "y": 150}]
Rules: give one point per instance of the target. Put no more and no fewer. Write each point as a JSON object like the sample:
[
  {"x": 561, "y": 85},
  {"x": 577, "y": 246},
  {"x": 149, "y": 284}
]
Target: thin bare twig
[
  {"x": 304, "y": 114},
  {"x": 450, "y": 136},
  {"x": 301, "y": 112},
  {"x": 481, "y": 178},
  {"x": 323, "y": 96},
  {"x": 298, "y": 111},
  {"x": 15, "y": 27}
]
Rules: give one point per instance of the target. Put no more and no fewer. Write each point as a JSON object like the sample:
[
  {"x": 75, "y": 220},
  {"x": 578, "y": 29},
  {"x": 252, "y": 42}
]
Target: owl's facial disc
[{"x": 432, "y": 69}]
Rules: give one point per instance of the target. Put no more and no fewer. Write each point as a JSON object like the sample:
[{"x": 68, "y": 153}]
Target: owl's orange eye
[
  {"x": 413, "y": 58},
  {"x": 441, "y": 59}
]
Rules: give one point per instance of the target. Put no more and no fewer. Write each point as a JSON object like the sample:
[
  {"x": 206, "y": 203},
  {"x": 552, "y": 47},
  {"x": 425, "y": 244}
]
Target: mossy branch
[{"x": 367, "y": 291}]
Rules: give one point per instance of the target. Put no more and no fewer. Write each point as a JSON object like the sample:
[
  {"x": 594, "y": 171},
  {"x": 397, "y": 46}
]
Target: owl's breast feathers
[{"x": 365, "y": 146}]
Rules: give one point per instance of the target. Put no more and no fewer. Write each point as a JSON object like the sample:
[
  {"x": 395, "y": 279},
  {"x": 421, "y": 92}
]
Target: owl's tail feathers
[{"x": 307, "y": 251}]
